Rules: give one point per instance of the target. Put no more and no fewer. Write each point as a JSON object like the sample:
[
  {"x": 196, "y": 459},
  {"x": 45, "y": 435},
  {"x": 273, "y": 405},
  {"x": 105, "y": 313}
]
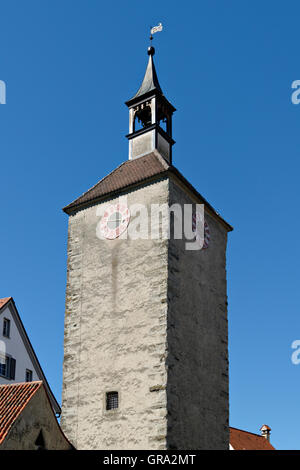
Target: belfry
[
  {"x": 146, "y": 334},
  {"x": 153, "y": 112}
]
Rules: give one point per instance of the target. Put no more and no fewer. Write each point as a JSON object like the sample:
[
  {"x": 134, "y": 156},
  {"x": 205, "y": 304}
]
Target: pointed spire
[
  {"x": 150, "y": 82},
  {"x": 150, "y": 117}
]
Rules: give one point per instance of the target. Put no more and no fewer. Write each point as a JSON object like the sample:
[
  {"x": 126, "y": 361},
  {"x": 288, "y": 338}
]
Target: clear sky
[{"x": 227, "y": 67}]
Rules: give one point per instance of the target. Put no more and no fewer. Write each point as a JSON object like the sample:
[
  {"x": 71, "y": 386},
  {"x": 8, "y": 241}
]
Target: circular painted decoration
[
  {"x": 197, "y": 218},
  {"x": 115, "y": 221}
]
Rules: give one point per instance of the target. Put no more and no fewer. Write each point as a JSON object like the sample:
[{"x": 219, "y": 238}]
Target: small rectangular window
[
  {"x": 28, "y": 375},
  {"x": 112, "y": 400},
  {"x": 6, "y": 327}
]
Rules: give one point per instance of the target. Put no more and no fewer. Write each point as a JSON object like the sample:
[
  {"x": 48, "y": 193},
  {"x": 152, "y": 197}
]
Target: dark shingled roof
[
  {"x": 243, "y": 440},
  {"x": 150, "y": 85},
  {"x": 150, "y": 82},
  {"x": 128, "y": 173},
  {"x": 132, "y": 172}
]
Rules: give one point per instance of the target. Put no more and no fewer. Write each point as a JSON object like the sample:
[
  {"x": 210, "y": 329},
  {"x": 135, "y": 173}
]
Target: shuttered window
[
  {"x": 2, "y": 367},
  {"x": 12, "y": 368},
  {"x": 8, "y": 367},
  {"x": 28, "y": 375}
]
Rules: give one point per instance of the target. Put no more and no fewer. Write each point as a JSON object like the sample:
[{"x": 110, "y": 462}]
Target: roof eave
[
  {"x": 150, "y": 94},
  {"x": 73, "y": 208},
  {"x": 54, "y": 402}
]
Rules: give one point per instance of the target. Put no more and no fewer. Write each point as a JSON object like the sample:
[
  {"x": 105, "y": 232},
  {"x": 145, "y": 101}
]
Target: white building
[{"x": 18, "y": 361}]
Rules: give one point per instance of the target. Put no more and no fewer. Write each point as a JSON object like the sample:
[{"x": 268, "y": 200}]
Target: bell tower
[
  {"x": 145, "y": 343},
  {"x": 150, "y": 117}
]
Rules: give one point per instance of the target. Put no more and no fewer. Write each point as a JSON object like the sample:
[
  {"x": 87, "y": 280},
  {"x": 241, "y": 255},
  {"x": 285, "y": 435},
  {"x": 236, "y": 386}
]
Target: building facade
[
  {"x": 146, "y": 347},
  {"x": 18, "y": 361}
]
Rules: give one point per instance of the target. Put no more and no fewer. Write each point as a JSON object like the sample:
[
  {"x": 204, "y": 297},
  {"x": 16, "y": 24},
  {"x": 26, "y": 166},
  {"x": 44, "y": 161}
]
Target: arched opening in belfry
[
  {"x": 163, "y": 123},
  {"x": 164, "y": 118}
]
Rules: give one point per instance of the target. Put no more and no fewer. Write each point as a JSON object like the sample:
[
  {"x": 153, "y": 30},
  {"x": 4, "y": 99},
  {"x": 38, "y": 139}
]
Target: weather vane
[{"x": 155, "y": 29}]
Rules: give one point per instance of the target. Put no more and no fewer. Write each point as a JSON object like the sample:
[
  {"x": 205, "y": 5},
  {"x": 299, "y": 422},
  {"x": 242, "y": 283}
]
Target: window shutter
[{"x": 12, "y": 368}]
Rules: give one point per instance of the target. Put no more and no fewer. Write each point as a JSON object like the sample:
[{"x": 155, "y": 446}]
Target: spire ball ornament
[{"x": 151, "y": 50}]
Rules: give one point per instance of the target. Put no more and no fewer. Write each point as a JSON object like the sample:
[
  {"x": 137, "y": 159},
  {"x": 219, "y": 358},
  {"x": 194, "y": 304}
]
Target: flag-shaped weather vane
[{"x": 155, "y": 29}]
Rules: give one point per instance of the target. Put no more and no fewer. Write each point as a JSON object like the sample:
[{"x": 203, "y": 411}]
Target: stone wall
[
  {"x": 197, "y": 391},
  {"x": 148, "y": 319},
  {"x": 115, "y": 333}
]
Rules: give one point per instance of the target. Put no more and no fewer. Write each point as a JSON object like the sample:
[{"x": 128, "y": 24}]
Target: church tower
[
  {"x": 145, "y": 348},
  {"x": 153, "y": 112}
]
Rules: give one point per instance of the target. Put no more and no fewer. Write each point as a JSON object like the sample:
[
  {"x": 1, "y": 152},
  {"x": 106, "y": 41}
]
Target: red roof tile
[
  {"x": 243, "y": 440},
  {"x": 4, "y": 301},
  {"x": 13, "y": 399},
  {"x": 32, "y": 354}
]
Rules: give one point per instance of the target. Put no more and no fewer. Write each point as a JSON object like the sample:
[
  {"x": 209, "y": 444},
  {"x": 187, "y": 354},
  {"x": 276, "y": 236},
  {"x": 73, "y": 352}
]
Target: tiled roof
[
  {"x": 243, "y": 440},
  {"x": 4, "y": 301},
  {"x": 130, "y": 173},
  {"x": 13, "y": 399},
  {"x": 30, "y": 350}
]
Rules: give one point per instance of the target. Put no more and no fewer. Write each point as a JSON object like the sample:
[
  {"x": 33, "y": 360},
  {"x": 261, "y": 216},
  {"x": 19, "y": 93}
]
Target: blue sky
[{"x": 227, "y": 67}]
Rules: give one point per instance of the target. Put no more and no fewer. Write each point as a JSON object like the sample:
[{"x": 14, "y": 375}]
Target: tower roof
[
  {"x": 130, "y": 173},
  {"x": 150, "y": 82}
]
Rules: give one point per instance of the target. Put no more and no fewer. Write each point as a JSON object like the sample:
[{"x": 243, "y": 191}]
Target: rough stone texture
[
  {"x": 36, "y": 416},
  {"x": 197, "y": 387},
  {"x": 115, "y": 334},
  {"x": 148, "y": 319}
]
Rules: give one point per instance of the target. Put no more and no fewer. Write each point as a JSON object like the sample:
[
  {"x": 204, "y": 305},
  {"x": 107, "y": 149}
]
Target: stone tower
[{"x": 145, "y": 349}]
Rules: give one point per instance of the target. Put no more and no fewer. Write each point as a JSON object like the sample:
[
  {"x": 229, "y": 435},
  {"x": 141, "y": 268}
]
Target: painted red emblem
[
  {"x": 197, "y": 219},
  {"x": 115, "y": 221}
]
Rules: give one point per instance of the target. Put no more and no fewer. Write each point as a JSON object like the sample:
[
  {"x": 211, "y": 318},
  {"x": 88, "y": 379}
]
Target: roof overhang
[{"x": 167, "y": 171}]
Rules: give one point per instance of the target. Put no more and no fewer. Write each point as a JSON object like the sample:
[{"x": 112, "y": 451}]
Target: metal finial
[{"x": 156, "y": 29}]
